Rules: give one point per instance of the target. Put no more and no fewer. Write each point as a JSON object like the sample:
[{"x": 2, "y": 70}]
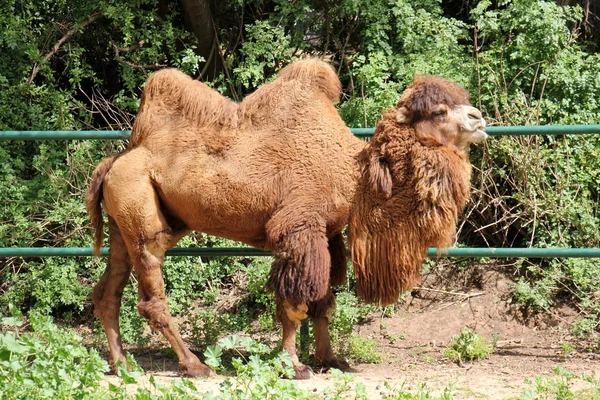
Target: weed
[
  {"x": 394, "y": 338},
  {"x": 468, "y": 346},
  {"x": 566, "y": 349},
  {"x": 47, "y": 363},
  {"x": 258, "y": 371},
  {"x": 342, "y": 387},
  {"x": 422, "y": 393},
  {"x": 560, "y": 387},
  {"x": 364, "y": 350}
]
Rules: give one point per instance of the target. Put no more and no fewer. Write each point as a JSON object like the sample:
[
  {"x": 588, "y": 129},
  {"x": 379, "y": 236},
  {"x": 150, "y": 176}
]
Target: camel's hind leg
[
  {"x": 108, "y": 292},
  {"x": 131, "y": 199}
]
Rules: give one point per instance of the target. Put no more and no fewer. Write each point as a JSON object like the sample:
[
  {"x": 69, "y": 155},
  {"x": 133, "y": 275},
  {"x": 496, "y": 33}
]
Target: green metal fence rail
[
  {"x": 466, "y": 252},
  {"x": 360, "y": 132},
  {"x": 252, "y": 252}
]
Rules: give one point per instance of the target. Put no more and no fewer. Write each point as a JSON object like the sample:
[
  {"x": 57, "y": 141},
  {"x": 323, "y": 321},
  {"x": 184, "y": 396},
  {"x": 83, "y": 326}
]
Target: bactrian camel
[{"x": 279, "y": 171}]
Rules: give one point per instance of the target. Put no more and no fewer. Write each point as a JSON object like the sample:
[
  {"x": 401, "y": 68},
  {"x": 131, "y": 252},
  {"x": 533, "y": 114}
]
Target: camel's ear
[
  {"x": 377, "y": 172},
  {"x": 403, "y": 116}
]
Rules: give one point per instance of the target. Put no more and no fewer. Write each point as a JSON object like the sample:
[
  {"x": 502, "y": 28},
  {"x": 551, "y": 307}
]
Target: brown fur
[
  {"x": 277, "y": 171},
  {"x": 414, "y": 183}
]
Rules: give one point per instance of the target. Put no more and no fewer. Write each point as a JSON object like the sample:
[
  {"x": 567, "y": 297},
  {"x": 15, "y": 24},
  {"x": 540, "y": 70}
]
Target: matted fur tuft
[
  {"x": 425, "y": 92},
  {"x": 391, "y": 228}
]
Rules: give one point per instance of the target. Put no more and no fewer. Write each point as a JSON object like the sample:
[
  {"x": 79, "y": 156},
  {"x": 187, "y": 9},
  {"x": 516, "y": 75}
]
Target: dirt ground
[{"x": 413, "y": 340}]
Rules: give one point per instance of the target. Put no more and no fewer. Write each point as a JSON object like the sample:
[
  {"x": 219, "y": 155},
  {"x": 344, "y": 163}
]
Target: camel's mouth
[
  {"x": 479, "y": 136},
  {"x": 474, "y": 135}
]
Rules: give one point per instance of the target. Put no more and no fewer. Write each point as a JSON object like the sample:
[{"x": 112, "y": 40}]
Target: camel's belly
[{"x": 219, "y": 208}]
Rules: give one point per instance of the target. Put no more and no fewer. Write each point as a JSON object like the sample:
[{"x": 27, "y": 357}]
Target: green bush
[
  {"x": 47, "y": 363},
  {"x": 364, "y": 350},
  {"x": 468, "y": 346}
]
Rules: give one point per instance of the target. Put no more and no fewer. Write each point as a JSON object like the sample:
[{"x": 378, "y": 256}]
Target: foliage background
[{"x": 81, "y": 65}]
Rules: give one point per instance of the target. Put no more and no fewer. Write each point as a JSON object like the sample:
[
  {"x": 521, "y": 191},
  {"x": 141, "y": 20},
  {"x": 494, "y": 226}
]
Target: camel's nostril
[{"x": 474, "y": 116}]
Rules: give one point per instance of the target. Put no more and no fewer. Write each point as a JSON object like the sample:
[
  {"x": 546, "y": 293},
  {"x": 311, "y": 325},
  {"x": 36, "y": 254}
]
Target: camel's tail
[{"x": 93, "y": 200}]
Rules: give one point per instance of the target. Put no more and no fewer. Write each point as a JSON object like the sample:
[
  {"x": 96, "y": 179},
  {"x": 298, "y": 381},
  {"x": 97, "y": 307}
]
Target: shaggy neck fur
[{"x": 408, "y": 198}]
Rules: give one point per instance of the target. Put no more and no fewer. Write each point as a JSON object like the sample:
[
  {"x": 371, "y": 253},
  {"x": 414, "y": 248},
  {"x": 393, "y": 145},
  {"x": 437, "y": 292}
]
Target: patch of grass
[
  {"x": 561, "y": 387},
  {"x": 468, "y": 346},
  {"x": 364, "y": 350},
  {"x": 421, "y": 392}
]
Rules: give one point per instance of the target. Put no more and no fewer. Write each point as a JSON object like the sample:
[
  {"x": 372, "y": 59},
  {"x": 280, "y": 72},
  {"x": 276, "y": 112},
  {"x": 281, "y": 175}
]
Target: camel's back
[{"x": 285, "y": 142}]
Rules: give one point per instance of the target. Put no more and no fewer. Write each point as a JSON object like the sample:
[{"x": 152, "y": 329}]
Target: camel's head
[
  {"x": 414, "y": 183},
  {"x": 440, "y": 112}
]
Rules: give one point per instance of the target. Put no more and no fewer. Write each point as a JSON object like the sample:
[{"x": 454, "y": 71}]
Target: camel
[{"x": 279, "y": 171}]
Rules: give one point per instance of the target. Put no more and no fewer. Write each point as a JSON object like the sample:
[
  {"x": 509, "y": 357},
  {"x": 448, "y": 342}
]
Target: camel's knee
[
  {"x": 290, "y": 312},
  {"x": 322, "y": 308},
  {"x": 156, "y": 311}
]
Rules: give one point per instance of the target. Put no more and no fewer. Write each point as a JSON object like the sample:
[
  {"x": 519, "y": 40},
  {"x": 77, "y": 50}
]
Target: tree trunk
[{"x": 199, "y": 18}]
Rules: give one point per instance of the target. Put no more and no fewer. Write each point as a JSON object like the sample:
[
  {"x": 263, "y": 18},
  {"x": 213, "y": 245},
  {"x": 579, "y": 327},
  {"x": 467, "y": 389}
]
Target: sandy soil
[{"x": 414, "y": 338}]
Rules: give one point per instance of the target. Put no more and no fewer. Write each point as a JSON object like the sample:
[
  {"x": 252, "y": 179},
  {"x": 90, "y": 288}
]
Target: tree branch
[
  {"x": 63, "y": 40},
  {"x": 118, "y": 50}
]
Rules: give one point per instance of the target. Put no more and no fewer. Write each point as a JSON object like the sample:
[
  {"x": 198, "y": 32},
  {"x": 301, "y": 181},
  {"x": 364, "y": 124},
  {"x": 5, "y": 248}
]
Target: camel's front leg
[
  {"x": 290, "y": 317},
  {"x": 319, "y": 313}
]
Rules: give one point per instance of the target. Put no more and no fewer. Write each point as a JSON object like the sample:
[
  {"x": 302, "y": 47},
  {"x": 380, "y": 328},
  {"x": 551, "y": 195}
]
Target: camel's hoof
[
  {"x": 303, "y": 372},
  {"x": 194, "y": 369},
  {"x": 342, "y": 365}
]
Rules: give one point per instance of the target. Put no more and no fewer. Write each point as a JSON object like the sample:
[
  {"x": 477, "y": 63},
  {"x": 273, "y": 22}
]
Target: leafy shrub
[
  {"x": 468, "y": 346},
  {"x": 364, "y": 350},
  {"x": 348, "y": 312},
  {"x": 47, "y": 363},
  {"x": 258, "y": 370}
]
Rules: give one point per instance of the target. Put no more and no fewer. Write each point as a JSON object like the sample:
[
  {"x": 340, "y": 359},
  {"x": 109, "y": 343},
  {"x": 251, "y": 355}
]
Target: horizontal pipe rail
[
  {"x": 466, "y": 252},
  {"x": 360, "y": 132}
]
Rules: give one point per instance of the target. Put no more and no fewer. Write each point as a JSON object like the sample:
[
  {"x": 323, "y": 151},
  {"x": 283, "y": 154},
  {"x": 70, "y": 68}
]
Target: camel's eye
[{"x": 438, "y": 113}]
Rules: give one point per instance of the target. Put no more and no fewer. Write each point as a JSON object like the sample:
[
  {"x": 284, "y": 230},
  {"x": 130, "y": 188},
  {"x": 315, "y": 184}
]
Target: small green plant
[
  {"x": 342, "y": 388},
  {"x": 566, "y": 349},
  {"x": 422, "y": 392},
  {"x": 363, "y": 350},
  {"x": 583, "y": 327},
  {"x": 560, "y": 387},
  {"x": 394, "y": 338},
  {"x": 257, "y": 371},
  {"x": 468, "y": 346}
]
